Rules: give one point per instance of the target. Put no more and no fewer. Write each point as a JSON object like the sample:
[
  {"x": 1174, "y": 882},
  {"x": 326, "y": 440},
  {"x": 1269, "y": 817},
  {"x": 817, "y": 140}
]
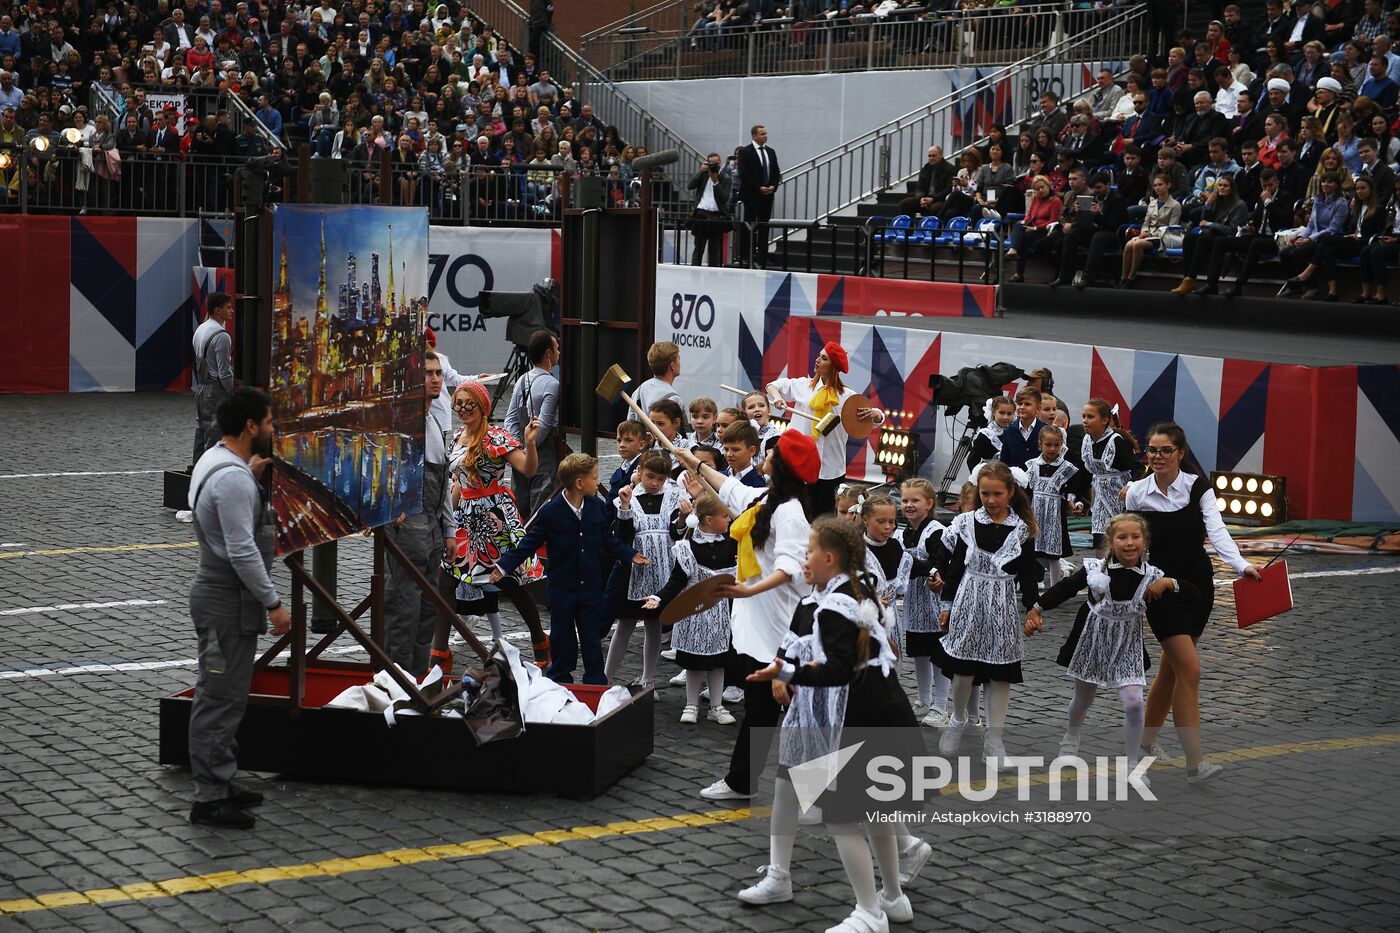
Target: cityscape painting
[{"x": 346, "y": 377}]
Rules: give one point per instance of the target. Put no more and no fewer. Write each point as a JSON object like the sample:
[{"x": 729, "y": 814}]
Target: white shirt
[
  {"x": 759, "y": 622},
  {"x": 1227, "y": 99},
  {"x": 441, "y": 406},
  {"x": 1297, "y": 34},
  {"x": 707, "y": 198},
  {"x": 832, "y": 448},
  {"x": 577, "y": 510},
  {"x": 1145, "y": 495}
]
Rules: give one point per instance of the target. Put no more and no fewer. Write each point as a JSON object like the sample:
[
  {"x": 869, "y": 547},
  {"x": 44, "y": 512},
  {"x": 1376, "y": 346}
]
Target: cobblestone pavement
[{"x": 93, "y": 832}]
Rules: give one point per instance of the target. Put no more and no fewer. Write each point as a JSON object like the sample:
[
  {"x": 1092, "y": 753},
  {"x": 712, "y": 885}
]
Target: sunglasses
[{"x": 463, "y": 407}]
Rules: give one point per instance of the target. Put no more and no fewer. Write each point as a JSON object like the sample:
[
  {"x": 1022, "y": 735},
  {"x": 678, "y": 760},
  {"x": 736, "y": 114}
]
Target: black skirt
[
  {"x": 1072, "y": 642},
  {"x": 878, "y": 715},
  {"x": 920, "y": 644},
  {"x": 980, "y": 671},
  {"x": 1183, "y": 615},
  {"x": 700, "y": 662}
]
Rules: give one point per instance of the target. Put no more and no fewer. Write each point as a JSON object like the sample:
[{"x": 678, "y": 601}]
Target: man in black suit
[
  {"x": 1383, "y": 179},
  {"x": 1083, "y": 143},
  {"x": 1248, "y": 123},
  {"x": 759, "y": 177},
  {"x": 935, "y": 181},
  {"x": 1293, "y": 175},
  {"x": 1095, "y": 230},
  {"x": 1256, "y": 241},
  {"x": 710, "y": 217},
  {"x": 1198, "y": 129},
  {"x": 179, "y": 33}
]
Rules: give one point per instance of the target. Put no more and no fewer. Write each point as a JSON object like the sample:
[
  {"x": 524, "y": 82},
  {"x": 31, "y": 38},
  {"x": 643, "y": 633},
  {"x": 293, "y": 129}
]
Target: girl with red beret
[{"x": 819, "y": 395}]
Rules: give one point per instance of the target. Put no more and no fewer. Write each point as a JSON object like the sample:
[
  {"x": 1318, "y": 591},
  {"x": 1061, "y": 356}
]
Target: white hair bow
[
  {"x": 1023, "y": 479},
  {"x": 692, "y": 521},
  {"x": 1114, "y": 410}
]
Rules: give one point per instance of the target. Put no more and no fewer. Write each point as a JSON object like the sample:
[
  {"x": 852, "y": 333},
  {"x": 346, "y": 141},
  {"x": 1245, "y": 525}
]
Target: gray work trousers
[
  {"x": 206, "y": 424},
  {"x": 227, "y": 621},
  {"x": 410, "y": 617},
  {"x": 531, "y": 492}
]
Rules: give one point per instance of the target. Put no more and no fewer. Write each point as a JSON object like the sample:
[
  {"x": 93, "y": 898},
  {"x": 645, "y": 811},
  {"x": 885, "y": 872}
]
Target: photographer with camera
[{"x": 710, "y": 216}]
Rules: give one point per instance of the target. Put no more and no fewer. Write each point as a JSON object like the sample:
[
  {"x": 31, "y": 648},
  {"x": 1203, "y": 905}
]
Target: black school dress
[
  {"x": 1122, "y": 584},
  {"x": 654, "y": 526},
  {"x": 717, "y": 553},
  {"x": 1179, "y": 550},
  {"x": 877, "y": 711},
  {"x": 921, "y": 605}
]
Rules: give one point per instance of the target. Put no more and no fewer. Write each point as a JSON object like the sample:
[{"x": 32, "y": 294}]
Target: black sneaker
[
  {"x": 243, "y": 798},
  {"x": 220, "y": 813}
]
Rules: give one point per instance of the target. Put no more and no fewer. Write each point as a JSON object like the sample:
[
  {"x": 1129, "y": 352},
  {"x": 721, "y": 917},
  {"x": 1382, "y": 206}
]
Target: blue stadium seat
[
  {"x": 952, "y": 232},
  {"x": 925, "y": 232},
  {"x": 897, "y": 231}
]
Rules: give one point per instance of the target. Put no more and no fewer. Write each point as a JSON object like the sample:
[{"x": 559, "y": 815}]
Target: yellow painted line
[
  {"x": 375, "y": 861},
  {"x": 394, "y": 858},
  {"x": 1238, "y": 755},
  {"x": 113, "y": 549}
]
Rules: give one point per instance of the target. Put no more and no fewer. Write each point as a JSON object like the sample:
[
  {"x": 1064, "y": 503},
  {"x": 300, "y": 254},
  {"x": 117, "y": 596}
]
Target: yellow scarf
[
  {"x": 822, "y": 403},
  {"x": 741, "y": 529}
]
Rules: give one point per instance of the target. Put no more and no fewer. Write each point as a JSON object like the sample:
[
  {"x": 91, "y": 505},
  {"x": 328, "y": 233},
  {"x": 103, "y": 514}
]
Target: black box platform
[
  {"x": 343, "y": 745},
  {"x": 177, "y": 490}
]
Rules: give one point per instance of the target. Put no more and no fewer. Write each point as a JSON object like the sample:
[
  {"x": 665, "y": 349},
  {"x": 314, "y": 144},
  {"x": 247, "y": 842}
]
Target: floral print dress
[{"x": 488, "y": 522}]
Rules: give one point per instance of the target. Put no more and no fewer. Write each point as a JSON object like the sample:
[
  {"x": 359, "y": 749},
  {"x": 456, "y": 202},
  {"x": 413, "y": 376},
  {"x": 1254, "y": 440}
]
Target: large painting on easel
[{"x": 350, "y": 287}]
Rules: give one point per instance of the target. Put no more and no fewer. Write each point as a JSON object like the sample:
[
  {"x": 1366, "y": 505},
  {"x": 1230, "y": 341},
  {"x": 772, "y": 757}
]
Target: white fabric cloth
[
  {"x": 1145, "y": 496},
  {"x": 759, "y": 622}
]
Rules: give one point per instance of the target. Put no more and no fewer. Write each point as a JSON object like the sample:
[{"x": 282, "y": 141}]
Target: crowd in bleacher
[
  {"x": 461, "y": 113},
  {"x": 1273, "y": 138}
]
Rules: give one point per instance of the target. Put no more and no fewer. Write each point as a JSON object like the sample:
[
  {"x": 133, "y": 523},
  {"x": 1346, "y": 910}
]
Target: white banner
[
  {"x": 700, "y": 310},
  {"x": 463, "y": 262},
  {"x": 159, "y": 100}
]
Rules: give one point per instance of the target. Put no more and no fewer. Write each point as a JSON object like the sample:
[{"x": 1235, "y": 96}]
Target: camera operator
[
  {"x": 269, "y": 172},
  {"x": 710, "y": 216},
  {"x": 536, "y": 395}
]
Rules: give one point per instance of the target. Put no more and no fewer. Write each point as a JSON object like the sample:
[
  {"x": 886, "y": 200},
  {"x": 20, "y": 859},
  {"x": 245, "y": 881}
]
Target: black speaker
[
  {"x": 589, "y": 192},
  {"x": 327, "y": 181}
]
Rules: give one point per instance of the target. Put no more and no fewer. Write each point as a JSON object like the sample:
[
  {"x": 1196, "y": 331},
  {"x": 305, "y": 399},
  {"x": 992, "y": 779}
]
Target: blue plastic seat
[
  {"x": 952, "y": 233},
  {"x": 924, "y": 233},
  {"x": 897, "y": 231}
]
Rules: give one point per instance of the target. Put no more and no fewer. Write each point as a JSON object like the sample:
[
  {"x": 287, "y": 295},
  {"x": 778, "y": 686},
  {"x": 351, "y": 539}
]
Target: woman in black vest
[{"x": 1181, "y": 511}]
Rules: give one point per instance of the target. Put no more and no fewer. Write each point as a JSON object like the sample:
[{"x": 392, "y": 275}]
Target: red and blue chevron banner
[{"x": 98, "y": 304}]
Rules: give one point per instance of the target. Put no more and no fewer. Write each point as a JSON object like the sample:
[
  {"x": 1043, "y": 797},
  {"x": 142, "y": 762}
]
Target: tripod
[
  {"x": 958, "y": 464},
  {"x": 517, "y": 366}
]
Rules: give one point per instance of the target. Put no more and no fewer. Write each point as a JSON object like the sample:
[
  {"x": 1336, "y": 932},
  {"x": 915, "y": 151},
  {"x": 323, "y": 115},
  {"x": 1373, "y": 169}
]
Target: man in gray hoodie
[{"x": 232, "y": 600}]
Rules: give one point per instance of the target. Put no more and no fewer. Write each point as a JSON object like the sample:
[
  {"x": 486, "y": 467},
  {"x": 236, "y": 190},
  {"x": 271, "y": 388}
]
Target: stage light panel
[{"x": 1250, "y": 498}]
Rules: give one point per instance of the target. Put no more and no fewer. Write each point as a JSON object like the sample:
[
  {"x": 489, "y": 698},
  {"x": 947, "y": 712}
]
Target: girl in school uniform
[
  {"x": 1105, "y": 649},
  {"x": 760, "y": 413},
  {"x": 836, "y": 674},
  {"x": 648, "y": 519},
  {"x": 989, "y": 562},
  {"x": 986, "y": 443},
  {"x": 1051, "y": 501},
  {"x": 701, "y": 641},
  {"x": 922, "y": 604},
  {"x": 1181, "y": 511},
  {"x": 884, "y": 553},
  {"x": 1110, "y": 458},
  {"x": 817, "y": 395}
]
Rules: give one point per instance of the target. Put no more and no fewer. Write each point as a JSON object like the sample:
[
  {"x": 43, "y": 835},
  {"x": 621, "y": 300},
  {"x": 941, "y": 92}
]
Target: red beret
[
  {"x": 429, "y": 336},
  {"x": 799, "y": 453},
  {"x": 837, "y": 354}
]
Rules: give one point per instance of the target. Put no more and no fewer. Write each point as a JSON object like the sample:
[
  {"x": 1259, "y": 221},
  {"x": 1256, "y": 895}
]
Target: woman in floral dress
[{"x": 488, "y": 522}]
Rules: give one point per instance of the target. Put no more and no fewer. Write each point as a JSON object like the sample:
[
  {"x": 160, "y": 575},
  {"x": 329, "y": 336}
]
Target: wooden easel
[{"x": 348, "y": 620}]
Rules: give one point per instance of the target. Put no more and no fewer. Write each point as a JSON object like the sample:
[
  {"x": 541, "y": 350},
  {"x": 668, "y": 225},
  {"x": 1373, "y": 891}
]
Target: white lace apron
[
  {"x": 1048, "y": 503},
  {"x": 1107, "y": 482},
  {"x": 652, "y": 538},
  {"x": 706, "y": 633},
  {"x": 922, "y": 606},
  {"x": 985, "y": 623},
  {"x": 1109, "y": 652}
]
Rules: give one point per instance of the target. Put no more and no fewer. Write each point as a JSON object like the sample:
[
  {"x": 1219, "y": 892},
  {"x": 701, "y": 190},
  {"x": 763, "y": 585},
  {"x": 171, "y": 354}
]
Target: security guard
[
  {"x": 231, "y": 601},
  {"x": 424, "y": 538}
]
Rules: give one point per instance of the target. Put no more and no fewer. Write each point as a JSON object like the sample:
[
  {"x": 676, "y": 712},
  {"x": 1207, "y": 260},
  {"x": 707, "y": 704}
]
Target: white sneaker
[
  {"x": 720, "y": 790},
  {"x": 775, "y": 888},
  {"x": 1156, "y": 751},
  {"x": 733, "y": 694},
  {"x": 690, "y": 715},
  {"x": 1203, "y": 772},
  {"x": 862, "y": 921},
  {"x": 721, "y": 715},
  {"x": 952, "y": 735},
  {"x": 669, "y": 654},
  {"x": 936, "y": 718},
  {"x": 912, "y": 861},
  {"x": 1069, "y": 746},
  {"x": 994, "y": 750},
  {"x": 678, "y": 680},
  {"x": 920, "y": 709},
  {"x": 184, "y": 515},
  {"x": 898, "y": 910}
]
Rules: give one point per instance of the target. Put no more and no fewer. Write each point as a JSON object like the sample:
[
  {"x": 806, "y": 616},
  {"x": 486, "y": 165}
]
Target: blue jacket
[
  {"x": 1015, "y": 450},
  {"x": 621, "y": 477},
  {"x": 580, "y": 553},
  {"x": 752, "y": 478},
  {"x": 1328, "y": 217}
]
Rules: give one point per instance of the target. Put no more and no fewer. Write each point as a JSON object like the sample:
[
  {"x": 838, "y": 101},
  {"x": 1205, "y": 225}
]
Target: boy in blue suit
[
  {"x": 1020, "y": 441},
  {"x": 577, "y": 526},
  {"x": 740, "y": 448}
]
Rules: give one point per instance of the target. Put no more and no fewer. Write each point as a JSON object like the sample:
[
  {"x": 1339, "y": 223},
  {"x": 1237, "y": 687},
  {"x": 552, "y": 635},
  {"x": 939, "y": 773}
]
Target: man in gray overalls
[
  {"x": 424, "y": 538},
  {"x": 231, "y": 601},
  {"x": 213, "y": 377}
]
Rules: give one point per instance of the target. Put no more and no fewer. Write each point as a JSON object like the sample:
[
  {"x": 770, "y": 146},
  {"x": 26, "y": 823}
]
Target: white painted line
[
  {"x": 81, "y": 473},
  {"x": 127, "y": 666},
  {"x": 1314, "y": 574},
  {"x": 63, "y": 607}
]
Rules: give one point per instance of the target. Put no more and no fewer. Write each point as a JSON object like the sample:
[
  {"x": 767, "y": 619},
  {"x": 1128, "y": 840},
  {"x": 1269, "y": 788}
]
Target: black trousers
[
  {"x": 760, "y": 712},
  {"x": 754, "y": 246},
  {"x": 707, "y": 229},
  {"x": 1253, "y": 248},
  {"x": 823, "y": 495},
  {"x": 1375, "y": 261},
  {"x": 1077, "y": 237},
  {"x": 1334, "y": 248},
  {"x": 1197, "y": 248}
]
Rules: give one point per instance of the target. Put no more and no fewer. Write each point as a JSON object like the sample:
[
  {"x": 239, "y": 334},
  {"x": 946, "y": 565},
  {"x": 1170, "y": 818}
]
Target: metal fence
[
  {"x": 482, "y": 195},
  {"x": 891, "y": 154},
  {"x": 909, "y": 38}
]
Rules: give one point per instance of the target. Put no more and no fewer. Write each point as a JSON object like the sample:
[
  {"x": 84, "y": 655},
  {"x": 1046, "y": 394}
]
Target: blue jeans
[{"x": 323, "y": 138}]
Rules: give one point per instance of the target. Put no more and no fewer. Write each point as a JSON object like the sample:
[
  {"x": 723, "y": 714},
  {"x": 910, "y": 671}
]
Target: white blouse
[
  {"x": 1144, "y": 495},
  {"x": 799, "y": 393},
  {"x": 759, "y": 622}
]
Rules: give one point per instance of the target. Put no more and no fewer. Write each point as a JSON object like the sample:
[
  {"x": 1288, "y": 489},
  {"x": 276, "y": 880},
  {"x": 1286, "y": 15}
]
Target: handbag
[{"x": 1173, "y": 238}]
